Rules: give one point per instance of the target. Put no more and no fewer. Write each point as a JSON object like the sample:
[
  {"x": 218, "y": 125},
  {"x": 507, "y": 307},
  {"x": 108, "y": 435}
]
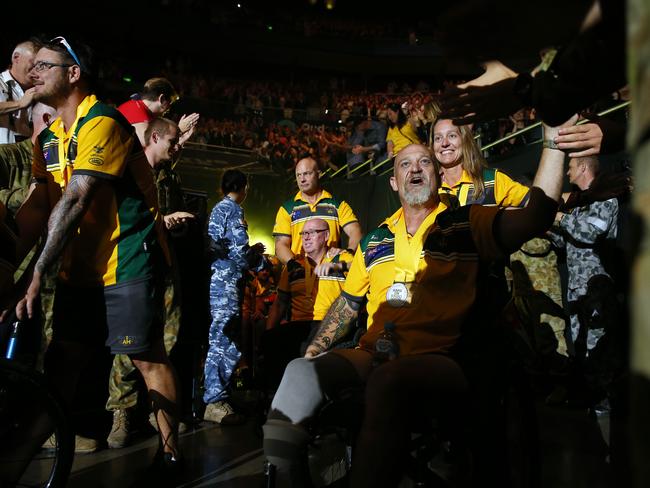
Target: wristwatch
[{"x": 550, "y": 144}]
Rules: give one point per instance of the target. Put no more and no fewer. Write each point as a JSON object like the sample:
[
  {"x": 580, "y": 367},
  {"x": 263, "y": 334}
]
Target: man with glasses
[
  {"x": 15, "y": 115},
  {"x": 308, "y": 290},
  {"x": 312, "y": 201},
  {"x": 94, "y": 184}
]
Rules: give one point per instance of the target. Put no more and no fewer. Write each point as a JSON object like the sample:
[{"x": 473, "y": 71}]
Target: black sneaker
[{"x": 167, "y": 467}]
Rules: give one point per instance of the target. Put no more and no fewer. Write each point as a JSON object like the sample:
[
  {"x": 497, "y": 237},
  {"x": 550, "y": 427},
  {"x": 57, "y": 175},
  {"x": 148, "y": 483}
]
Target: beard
[
  {"x": 49, "y": 96},
  {"x": 42, "y": 97},
  {"x": 418, "y": 196}
]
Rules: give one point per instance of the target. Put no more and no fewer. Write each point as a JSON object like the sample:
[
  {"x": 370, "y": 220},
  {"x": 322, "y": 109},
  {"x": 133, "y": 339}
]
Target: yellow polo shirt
[
  {"x": 445, "y": 286},
  {"x": 402, "y": 137},
  {"x": 500, "y": 190},
  {"x": 324, "y": 289},
  {"x": 292, "y": 215}
]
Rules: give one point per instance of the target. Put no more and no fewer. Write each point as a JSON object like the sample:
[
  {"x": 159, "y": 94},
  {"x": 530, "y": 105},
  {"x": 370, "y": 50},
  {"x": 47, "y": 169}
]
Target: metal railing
[{"x": 483, "y": 148}]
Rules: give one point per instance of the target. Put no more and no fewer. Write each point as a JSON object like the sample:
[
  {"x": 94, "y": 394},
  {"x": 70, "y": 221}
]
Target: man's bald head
[
  {"x": 315, "y": 234},
  {"x": 25, "y": 47},
  {"x": 307, "y": 176},
  {"x": 306, "y": 164},
  {"x": 22, "y": 60}
]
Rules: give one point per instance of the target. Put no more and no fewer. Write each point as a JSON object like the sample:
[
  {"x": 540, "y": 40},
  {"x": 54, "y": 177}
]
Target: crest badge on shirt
[{"x": 97, "y": 157}]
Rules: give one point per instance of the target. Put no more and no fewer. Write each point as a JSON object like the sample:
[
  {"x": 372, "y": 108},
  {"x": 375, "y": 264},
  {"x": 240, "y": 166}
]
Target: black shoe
[{"x": 167, "y": 468}]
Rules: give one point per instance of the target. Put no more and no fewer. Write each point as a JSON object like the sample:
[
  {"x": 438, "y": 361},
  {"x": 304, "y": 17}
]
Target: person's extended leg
[
  {"x": 122, "y": 399},
  {"x": 223, "y": 348},
  {"x": 134, "y": 316},
  {"x": 397, "y": 392},
  {"x": 305, "y": 385},
  {"x": 160, "y": 378}
]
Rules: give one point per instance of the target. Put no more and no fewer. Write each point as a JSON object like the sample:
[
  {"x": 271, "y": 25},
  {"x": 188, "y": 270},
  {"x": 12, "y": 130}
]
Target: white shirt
[{"x": 15, "y": 123}]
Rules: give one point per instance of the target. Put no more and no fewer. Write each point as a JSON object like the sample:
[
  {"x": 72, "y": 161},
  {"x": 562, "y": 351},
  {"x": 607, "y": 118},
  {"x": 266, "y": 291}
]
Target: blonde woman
[{"x": 466, "y": 179}]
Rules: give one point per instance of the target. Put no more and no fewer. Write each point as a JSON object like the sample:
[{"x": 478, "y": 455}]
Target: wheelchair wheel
[
  {"x": 329, "y": 459},
  {"x": 29, "y": 413}
]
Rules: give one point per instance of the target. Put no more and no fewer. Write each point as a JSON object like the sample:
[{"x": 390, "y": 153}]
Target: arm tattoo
[
  {"x": 336, "y": 323},
  {"x": 65, "y": 217}
]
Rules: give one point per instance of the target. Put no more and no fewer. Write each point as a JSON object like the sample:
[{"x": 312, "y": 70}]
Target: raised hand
[
  {"x": 586, "y": 138},
  {"x": 480, "y": 103}
]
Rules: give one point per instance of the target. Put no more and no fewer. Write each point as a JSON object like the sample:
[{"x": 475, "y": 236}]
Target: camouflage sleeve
[
  {"x": 239, "y": 232},
  {"x": 586, "y": 225},
  {"x": 217, "y": 223}
]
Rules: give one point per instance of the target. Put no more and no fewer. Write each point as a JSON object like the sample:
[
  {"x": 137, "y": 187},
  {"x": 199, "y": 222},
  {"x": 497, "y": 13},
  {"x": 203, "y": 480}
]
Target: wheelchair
[
  {"x": 29, "y": 412},
  {"x": 499, "y": 445}
]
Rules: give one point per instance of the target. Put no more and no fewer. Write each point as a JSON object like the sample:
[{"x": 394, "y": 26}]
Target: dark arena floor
[{"x": 573, "y": 455}]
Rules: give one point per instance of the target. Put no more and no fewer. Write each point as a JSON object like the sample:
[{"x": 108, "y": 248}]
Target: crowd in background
[{"x": 325, "y": 123}]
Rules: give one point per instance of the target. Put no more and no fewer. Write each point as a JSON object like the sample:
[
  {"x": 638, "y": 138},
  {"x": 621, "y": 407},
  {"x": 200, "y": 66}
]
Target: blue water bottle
[{"x": 13, "y": 340}]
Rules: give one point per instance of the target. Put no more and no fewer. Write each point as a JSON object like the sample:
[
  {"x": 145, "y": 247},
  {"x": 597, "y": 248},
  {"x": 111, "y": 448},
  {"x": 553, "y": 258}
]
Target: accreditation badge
[{"x": 398, "y": 295}]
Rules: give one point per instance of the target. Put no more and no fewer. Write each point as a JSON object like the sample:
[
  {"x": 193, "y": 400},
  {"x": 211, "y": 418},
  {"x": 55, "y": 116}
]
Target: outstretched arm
[{"x": 513, "y": 228}]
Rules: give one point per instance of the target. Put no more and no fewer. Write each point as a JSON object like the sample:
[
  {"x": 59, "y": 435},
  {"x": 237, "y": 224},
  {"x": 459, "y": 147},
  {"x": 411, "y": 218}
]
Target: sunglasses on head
[{"x": 61, "y": 40}]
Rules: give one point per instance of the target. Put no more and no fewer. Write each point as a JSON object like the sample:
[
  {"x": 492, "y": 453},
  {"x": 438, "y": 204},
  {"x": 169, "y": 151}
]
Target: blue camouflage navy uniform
[
  {"x": 227, "y": 228},
  {"x": 579, "y": 231}
]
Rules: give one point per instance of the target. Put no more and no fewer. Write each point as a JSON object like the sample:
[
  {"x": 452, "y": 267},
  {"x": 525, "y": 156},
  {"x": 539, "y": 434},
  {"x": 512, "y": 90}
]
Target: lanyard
[
  {"x": 408, "y": 251},
  {"x": 65, "y": 141}
]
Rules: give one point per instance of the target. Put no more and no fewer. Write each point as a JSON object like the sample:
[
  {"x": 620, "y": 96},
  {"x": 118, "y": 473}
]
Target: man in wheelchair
[{"x": 419, "y": 271}]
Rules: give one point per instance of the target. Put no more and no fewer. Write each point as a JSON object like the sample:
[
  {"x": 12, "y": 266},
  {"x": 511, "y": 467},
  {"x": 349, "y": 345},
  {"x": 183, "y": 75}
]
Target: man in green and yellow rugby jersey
[
  {"x": 93, "y": 182},
  {"x": 312, "y": 201}
]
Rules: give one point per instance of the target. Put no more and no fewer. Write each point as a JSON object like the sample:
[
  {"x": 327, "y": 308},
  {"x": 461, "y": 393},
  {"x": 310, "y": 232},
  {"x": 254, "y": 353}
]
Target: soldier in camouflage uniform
[
  {"x": 580, "y": 231},
  {"x": 540, "y": 262},
  {"x": 230, "y": 257},
  {"x": 15, "y": 178}
]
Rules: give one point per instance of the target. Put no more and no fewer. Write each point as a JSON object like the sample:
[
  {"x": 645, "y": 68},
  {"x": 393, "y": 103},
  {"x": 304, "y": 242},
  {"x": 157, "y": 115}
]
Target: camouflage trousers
[
  {"x": 123, "y": 379},
  {"x": 540, "y": 263},
  {"x": 574, "y": 296},
  {"x": 223, "y": 350},
  {"x": 48, "y": 289}
]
